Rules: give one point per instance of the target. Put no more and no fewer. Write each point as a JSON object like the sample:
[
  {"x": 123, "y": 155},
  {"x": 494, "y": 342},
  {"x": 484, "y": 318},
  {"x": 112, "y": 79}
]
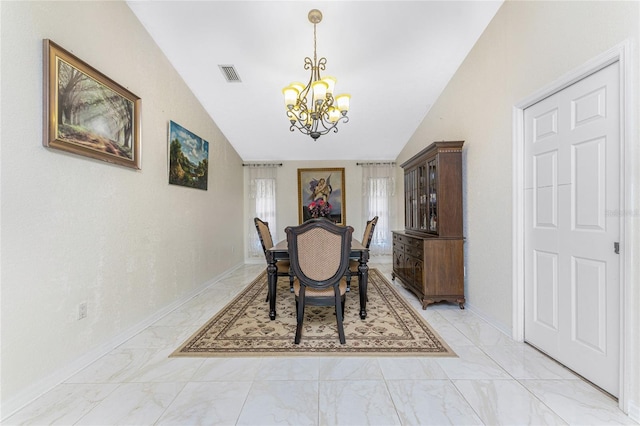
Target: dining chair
[
  {"x": 319, "y": 255},
  {"x": 284, "y": 269},
  {"x": 366, "y": 241}
]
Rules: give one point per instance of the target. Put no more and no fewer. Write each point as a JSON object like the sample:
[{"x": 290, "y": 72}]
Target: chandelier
[{"x": 312, "y": 109}]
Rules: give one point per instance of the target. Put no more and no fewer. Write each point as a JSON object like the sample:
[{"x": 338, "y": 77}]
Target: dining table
[{"x": 280, "y": 251}]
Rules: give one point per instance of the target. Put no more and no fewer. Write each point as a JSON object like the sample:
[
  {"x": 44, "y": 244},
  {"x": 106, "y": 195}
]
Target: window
[
  {"x": 378, "y": 192},
  {"x": 262, "y": 204}
]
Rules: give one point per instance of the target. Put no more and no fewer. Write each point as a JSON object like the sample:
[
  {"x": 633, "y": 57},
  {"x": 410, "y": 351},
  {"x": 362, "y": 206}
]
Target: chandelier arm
[
  {"x": 324, "y": 121},
  {"x": 308, "y": 131},
  {"x": 321, "y": 65},
  {"x": 299, "y": 126},
  {"x": 296, "y": 121},
  {"x": 328, "y": 125},
  {"x": 308, "y": 63},
  {"x": 333, "y": 127}
]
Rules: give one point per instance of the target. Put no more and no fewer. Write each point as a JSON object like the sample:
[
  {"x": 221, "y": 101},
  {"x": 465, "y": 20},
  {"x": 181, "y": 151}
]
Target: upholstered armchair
[
  {"x": 264, "y": 233},
  {"x": 366, "y": 241},
  {"x": 319, "y": 256}
]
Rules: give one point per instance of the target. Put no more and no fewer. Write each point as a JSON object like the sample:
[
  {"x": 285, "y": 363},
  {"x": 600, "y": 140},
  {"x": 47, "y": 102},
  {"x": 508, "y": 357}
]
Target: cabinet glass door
[
  {"x": 433, "y": 196},
  {"x": 407, "y": 203},
  {"x": 411, "y": 200},
  {"x": 423, "y": 211}
]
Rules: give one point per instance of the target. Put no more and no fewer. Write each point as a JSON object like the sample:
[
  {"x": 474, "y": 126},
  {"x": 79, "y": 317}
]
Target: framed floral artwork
[
  {"x": 87, "y": 113},
  {"x": 321, "y": 193}
]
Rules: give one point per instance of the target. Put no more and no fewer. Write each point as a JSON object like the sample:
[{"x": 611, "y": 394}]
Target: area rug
[{"x": 243, "y": 328}]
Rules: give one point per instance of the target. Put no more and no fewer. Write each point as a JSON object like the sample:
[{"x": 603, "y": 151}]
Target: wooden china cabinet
[{"x": 428, "y": 255}]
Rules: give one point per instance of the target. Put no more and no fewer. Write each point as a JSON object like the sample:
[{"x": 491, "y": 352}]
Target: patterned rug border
[{"x": 336, "y": 349}]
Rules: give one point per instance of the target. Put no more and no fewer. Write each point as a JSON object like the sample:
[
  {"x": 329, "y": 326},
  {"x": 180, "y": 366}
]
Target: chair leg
[
  {"x": 267, "y": 298},
  {"x": 359, "y": 280},
  {"x": 300, "y": 315},
  {"x": 348, "y": 280},
  {"x": 339, "y": 315},
  {"x": 291, "y": 278}
]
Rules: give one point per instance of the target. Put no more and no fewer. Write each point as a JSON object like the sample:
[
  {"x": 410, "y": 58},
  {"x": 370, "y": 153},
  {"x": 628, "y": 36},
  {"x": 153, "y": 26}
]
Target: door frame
[{"x": 628, "y": 170}]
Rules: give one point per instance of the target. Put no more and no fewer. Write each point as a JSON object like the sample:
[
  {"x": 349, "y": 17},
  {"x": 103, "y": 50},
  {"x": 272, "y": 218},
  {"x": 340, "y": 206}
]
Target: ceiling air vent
[{"x": 230, "y": 73}]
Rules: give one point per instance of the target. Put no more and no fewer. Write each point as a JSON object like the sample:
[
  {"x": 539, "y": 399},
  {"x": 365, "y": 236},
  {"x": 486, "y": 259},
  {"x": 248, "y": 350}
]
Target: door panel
[
  {"x": 588, "y": 286},
  {"x": 588, "y": 196},
  {"x": 572, "y": 178},
  {"x": 545, "y": 290},
  {"x": 546, "y": 184}
]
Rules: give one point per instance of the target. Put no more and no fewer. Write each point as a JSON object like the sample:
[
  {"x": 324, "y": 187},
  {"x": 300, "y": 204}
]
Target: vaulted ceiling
[{"x": 393, "y": 57}]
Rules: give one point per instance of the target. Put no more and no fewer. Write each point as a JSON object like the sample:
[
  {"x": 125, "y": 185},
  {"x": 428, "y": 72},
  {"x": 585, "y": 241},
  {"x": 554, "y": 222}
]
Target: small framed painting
[
  {"x": 188, "y": 158},
  {"x": 321, "y": 193},
  {"x": 87, "y": 113}
]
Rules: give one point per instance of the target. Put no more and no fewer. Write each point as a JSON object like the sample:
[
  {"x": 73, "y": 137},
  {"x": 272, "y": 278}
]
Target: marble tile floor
[{"x": 493, "y": 381}]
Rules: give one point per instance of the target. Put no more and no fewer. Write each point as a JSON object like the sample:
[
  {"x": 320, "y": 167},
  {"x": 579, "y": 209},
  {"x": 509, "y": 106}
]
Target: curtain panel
[
  {"x": 262, "y": 204},
  {"x": 378, "y": 189}
]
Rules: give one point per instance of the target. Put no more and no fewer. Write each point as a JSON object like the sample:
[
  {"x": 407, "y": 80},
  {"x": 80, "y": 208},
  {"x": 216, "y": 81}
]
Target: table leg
[
  {"x": 363, "y": 269},
  {"x": 272, "y": 280}
]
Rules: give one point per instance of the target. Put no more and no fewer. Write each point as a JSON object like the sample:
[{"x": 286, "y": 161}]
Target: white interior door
[{"x": 572, "y": 221}]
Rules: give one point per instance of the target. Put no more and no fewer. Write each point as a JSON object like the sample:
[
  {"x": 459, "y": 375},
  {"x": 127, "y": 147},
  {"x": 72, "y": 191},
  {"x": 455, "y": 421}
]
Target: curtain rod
[
  {"x": 388, "y": 163},
  {"x": 262, "y": 165}
]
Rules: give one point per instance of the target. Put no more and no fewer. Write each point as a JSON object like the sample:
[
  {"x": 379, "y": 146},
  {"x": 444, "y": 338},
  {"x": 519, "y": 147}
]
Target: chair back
[
  {"x": 368, "y": 231},
  {"x": 264, "y": 233},
  {"x": 319, "y": 252}
]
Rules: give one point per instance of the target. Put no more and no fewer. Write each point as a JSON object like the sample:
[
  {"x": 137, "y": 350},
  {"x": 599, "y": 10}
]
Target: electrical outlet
[{"x": 82, "y": 310}]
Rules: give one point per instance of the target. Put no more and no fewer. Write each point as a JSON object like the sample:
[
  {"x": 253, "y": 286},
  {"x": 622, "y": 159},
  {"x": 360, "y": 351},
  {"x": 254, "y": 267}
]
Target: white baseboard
[
  {"x": 634, "y": 412},
  {"x": 491, "y": 320},
  {"x": 383, "y": 259},
  {"x": 65, "y": 372}
]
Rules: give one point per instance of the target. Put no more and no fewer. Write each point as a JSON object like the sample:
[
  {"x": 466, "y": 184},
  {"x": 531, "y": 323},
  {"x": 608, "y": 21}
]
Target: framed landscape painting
[
  {"x": 321, "y": 193},
  {"x": 188, "y": 158},
  {"x": 87, "y": 113}
]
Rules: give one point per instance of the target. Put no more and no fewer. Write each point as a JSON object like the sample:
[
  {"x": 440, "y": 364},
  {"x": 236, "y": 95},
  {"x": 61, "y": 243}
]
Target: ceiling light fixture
[{"x": 313, "y": 109}]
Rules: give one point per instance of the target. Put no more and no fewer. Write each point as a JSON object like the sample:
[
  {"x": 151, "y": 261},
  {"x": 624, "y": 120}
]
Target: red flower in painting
[{"x": 319, "y": 208}]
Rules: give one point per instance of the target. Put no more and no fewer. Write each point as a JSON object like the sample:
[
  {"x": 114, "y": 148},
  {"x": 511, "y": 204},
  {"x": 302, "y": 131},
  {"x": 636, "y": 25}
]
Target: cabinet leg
[
  {"x": 427, "y": 302},
  {"x": 393, "y": 276},
  {"x": 461, "y": 302}
]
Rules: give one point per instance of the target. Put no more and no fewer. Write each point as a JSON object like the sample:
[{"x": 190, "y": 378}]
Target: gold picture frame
[
  {"x": 321, "y": 193},
  {"x": 87, "y": 113}
]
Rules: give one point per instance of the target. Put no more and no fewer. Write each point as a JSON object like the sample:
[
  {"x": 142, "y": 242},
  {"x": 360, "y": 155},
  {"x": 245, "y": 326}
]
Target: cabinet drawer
[
  {"x": 414, "y": 248},
  {"x": 399, "y": 238},
  {"x": 412, "y": 251}
]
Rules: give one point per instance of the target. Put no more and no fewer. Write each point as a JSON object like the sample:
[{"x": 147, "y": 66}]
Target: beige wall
[
  {"x": 75, "y": 229},
  {"x": 527, "y": 46}
]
